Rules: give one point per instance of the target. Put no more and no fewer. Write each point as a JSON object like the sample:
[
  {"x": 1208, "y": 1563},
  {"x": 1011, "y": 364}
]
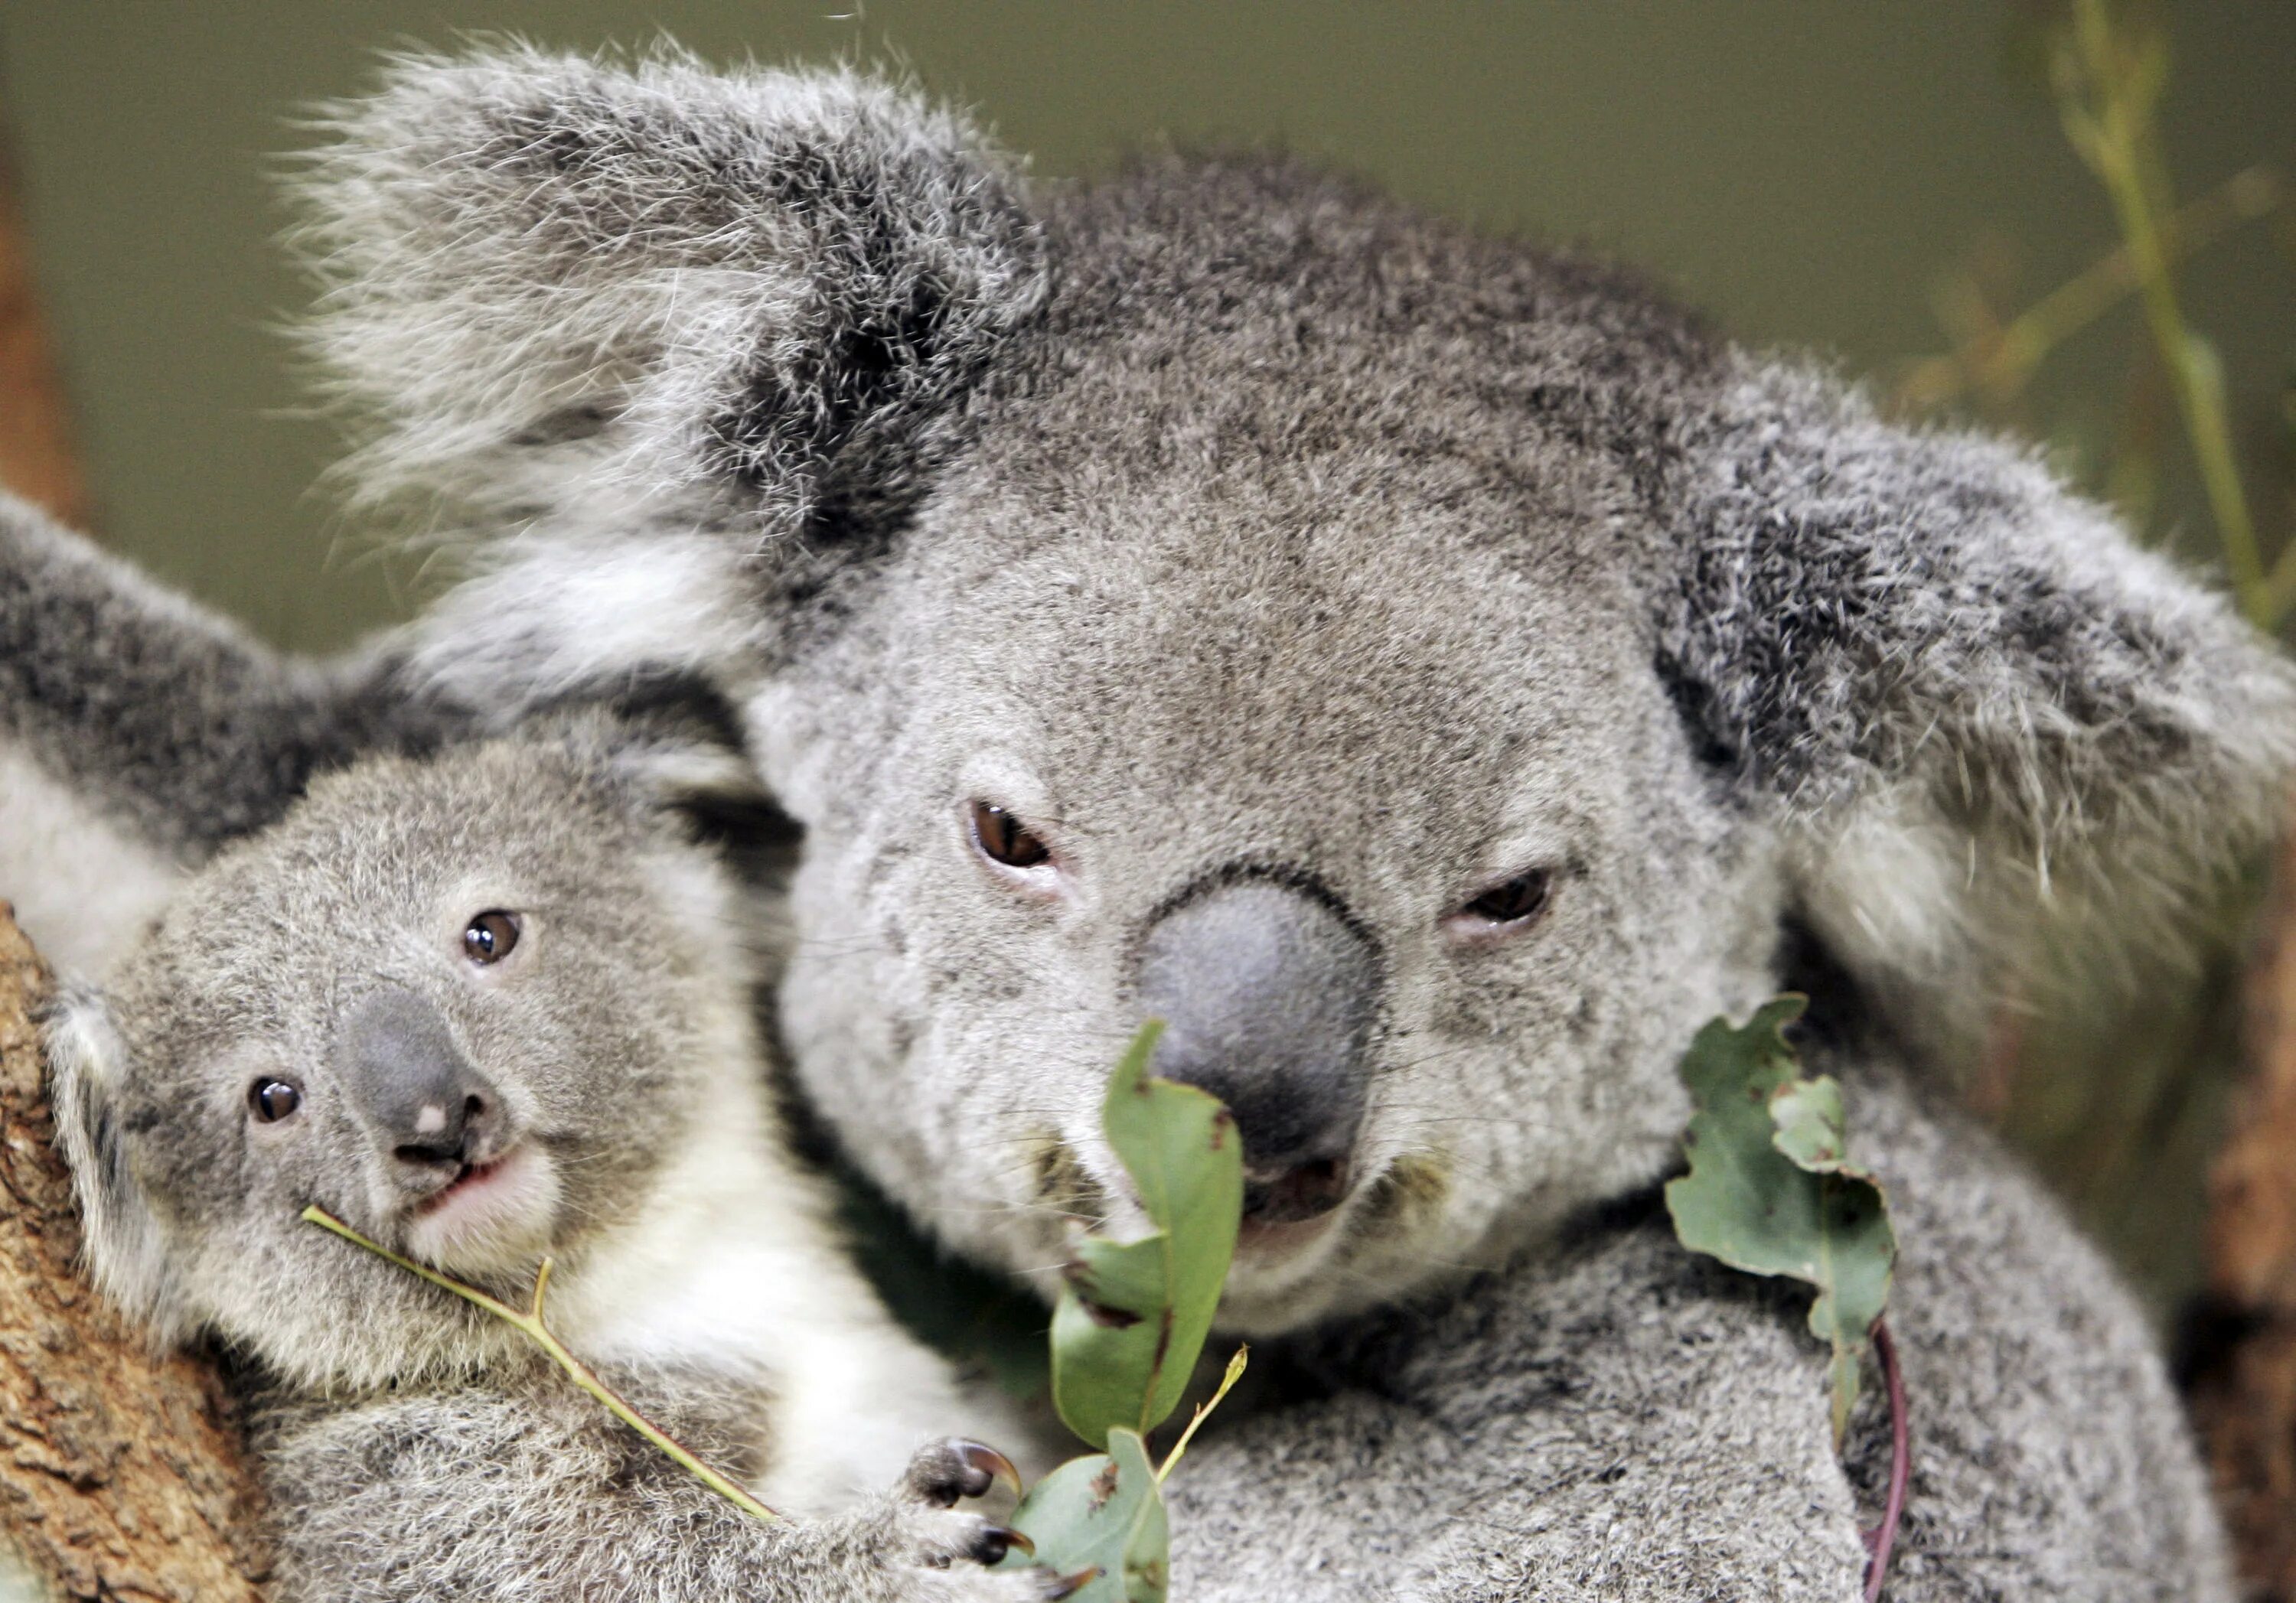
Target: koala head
[
  {"x": 473, "y": 1005},
  {"x": 1433, "y": 674}
]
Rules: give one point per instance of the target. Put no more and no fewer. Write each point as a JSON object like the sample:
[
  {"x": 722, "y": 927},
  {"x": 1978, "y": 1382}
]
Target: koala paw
[{"x": 956, "y": 1546}]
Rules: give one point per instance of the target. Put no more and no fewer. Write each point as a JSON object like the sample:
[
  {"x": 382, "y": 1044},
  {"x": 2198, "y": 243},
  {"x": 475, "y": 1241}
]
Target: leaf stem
[
  {"x": 1235, "y": 1372},
  {"x": 529, "y": 1323},
  {"x": 1883, "y": 1537}
]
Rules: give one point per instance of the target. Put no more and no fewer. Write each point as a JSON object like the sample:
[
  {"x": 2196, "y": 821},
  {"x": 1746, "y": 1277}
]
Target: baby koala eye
[
  {"x": 271, "y": 1100},
  {"x": 1518, "y": 901},
  {"x": 1003, "y": 838},
  {"x": 489, "y": 938}
]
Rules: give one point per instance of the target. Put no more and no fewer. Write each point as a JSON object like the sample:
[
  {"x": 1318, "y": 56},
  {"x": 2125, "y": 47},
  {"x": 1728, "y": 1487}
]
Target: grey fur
[
  {"x": 1265, "y": 525},
  {"x": 139, "y": 731},
  {"x": 413, "y": 1447},
  {"x": 191, "y": 731}
]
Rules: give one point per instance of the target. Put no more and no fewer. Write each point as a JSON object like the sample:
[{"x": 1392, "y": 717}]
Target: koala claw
[
  {"x": 997, "y": 1541},
  {"x": 956, "y": 1468},
  {"x": 960, "y": 1468},
  {"x": 954, "y": 1541}
]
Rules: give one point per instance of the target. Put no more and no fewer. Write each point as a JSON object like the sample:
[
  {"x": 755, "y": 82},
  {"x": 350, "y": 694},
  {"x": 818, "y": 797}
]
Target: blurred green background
[{"x": 1857, "y": 178}]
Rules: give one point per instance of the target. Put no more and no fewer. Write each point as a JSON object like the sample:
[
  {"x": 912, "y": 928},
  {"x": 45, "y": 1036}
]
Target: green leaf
[
  {"x": 1811, "y": 1128},
  {"x": 1771, "y": 1189},
  {"x": 1106, "y": 1512},
  {"x": 1134, "y": 1314}
]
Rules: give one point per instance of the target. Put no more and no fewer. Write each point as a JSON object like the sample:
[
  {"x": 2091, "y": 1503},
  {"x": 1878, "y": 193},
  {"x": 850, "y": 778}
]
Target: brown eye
[
  {"x": 271, "y": 1100},
  {"x": 1003, "y": 840},
  {"x": 490, "y": 936},
  {"x": 1520, "y": 898}
]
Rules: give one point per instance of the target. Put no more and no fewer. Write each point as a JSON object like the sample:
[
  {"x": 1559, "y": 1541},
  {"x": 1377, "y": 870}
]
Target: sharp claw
[
  {"x": 1068, "y": 1586},
  {"x": 997, "y": 1541},
  {"x": 984, "y": 1467}
]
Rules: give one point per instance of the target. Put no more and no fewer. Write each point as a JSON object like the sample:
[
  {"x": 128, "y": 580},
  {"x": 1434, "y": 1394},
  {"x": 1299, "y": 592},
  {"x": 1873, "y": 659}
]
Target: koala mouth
[
  {"x": 1285, "y": 1209},
  {"x": 1295, "y": 1196},
  {"x": 1265, "y": 1239},
  {"x": 493, "y": 1214},
  {"x": 470, "y": 1177}
]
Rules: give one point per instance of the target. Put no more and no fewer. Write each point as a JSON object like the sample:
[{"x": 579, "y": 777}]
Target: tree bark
[
  {"x": 2244, "y": 1399},
  {"x": 121, "y": 1473},
  {"x": 36, "y": 456}
]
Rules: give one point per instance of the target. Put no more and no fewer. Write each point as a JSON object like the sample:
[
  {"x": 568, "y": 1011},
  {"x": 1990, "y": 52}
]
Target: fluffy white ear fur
[
  {"x": 1984, "y": 717},
  {"x": 552, "y": 611},
  {"x": 611, "y": 295},
  {"x": 126, "y": 1251}
]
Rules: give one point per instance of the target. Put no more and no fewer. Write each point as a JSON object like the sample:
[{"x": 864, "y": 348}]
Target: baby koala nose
[
  {"x": 1267, "y": 997},
  {"x": 430, "y": 1108}
]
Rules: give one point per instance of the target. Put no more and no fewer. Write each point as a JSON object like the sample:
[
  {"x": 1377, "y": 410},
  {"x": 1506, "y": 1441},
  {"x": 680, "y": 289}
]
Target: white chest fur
[
  {"x": 733, "y": 1266},
  {"x": 82, "y": 885}
]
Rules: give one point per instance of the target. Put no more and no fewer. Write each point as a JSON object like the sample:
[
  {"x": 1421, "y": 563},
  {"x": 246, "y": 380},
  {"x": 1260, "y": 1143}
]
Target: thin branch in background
[
  {"x": 2106, "y": 73},
  {"x": 1996, "y": 360},
  {"x": 2109, "y": 86}
]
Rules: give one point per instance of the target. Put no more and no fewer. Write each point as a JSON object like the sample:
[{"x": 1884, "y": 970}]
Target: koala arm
[
  {"x": 138, "y": 730},
  {"x": 1621, "y": 1423},
  {"x": 537, "y": 1493},
  {"x": 1621, "y": 1420}
]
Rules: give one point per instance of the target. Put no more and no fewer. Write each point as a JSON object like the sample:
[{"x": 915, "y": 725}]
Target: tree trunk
[
  {"x": 121, "y": 1475},
  {"x": 2246, "y": 1397},
  {"x": 36, "y": 455}
]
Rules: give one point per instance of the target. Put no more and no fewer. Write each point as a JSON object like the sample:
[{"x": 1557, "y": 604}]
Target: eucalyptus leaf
[
  {"x": 1133, "y": 1315},
  {"x": 1104, "y": 1512},
  {"x": 1771, "y": 1189}
]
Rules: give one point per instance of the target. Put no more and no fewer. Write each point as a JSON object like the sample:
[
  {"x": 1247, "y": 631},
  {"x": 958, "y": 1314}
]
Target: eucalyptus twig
[
  {"x": 529, "y": 1322},
  {"x": 1235, "y": 1372},
  {"x": 1884, "y": 1537}
]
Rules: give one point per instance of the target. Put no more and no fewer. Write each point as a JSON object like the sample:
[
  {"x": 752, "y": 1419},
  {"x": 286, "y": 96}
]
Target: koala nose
[
  {"x": 1268, "y": 998},
  {"x": 428, "y": 1107}
]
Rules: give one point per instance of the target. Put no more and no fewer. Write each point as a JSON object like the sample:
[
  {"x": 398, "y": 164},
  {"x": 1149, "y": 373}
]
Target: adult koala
[{"x": 1435, "y": 675}]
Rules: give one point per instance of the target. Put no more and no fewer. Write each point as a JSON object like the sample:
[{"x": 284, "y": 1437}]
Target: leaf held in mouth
[
  {"x": 1134, "y": 1313},
  {"x": 1131, "y": 1324}
]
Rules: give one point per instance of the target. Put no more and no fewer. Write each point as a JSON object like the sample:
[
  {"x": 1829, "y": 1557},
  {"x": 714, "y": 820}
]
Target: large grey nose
[
  {"x": 428, "y": 1107},
  {"x": 1268, "y": 998}
]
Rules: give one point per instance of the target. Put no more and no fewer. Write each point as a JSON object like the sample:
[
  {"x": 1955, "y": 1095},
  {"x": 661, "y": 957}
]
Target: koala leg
[
  {"x": 1621, "y": 1424},
  {"x": 539, "y": 1495}
]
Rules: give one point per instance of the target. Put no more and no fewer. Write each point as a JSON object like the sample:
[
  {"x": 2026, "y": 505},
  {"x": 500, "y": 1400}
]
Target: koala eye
[
  {"x": 1517, "y": 902},
  {"x": 1002, "y": 839},
  {"x": 271, "y": 1100},
  {"x": 490, "y": 936}
]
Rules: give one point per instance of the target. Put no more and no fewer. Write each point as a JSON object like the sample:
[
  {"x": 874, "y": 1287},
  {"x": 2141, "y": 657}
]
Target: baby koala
[{"x": 485, "y": 1007}]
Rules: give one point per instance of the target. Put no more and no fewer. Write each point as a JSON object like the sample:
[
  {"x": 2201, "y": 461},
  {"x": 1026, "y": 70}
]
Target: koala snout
[
  {"x": 1267, "y": 997},
  {"x": 429, "y": 1109}
]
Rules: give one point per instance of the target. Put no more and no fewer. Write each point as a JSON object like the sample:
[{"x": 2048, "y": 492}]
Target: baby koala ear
[
  {"x": 124, "y": 1247},
  {"x": 1993, "y": 729},
  {"x": 676, "y": 745}
]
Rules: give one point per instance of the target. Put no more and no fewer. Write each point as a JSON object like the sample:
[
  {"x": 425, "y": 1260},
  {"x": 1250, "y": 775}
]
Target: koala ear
[
  {"x": 1980, "y": 713},
  {"x": 676, "y": 744},
  {"x": 565, "y": 289},
  {"x": 124, "y": 1246}
]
